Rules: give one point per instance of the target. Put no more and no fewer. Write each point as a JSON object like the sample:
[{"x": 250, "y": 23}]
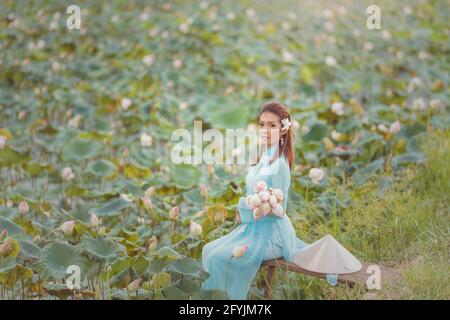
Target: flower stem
[{"x": 228, "y": 270}]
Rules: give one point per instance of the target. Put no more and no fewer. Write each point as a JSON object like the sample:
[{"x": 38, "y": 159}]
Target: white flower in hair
[{"x": 286, "y": 123}]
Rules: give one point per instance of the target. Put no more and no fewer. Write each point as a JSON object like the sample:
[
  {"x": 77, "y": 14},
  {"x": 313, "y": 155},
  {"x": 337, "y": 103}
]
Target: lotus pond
[{"x": 86, "y": 117}]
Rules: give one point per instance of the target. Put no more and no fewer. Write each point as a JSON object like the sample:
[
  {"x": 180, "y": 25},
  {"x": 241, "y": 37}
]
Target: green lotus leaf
[
  {"x": 79, "y": 149},
  {"x": 362, "y": 175},
  {"x": 168, "y": 253},
  {"x": 211, "y": 294},
  {"x": 185, "y": 175},
  {"x": 7, "y": 264},
  {"x": 29, "y": 251},
  {"x": 102, "y": 168},
  {"x": 185, "y": 266},
  {"x": 10, "y": 157},
  {"x": 123, "y": 278},
  {"x": 13, "y": 229},
  {"x": 56, "y": 257},
  {"x": 174, "y": 293},
  {"x": 100, "y": 249},
  {"x": 230, "y": 118},
  {"x": 111, "y": 208},
  {"x": 317, "y": 132}
]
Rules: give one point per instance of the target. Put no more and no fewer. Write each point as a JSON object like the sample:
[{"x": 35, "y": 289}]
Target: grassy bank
[{"x": 406, "y": 227}]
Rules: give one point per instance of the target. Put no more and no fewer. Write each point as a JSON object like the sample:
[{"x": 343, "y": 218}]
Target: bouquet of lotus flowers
[{"x": 265, "y": 201}]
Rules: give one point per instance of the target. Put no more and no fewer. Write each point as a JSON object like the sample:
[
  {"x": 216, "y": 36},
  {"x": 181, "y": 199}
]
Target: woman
[{"x": 269, "y": 237}]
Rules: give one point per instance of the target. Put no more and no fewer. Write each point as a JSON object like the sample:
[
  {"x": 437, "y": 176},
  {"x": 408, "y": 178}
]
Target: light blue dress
[{"x": 267, "y": 238}]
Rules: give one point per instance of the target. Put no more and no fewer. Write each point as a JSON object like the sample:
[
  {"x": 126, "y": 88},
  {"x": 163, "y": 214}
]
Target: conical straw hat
[{"x": 327, "y": 256}]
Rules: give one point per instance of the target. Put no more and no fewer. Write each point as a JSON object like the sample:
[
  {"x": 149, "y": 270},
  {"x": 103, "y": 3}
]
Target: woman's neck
[{"x": 270, "y": 150}]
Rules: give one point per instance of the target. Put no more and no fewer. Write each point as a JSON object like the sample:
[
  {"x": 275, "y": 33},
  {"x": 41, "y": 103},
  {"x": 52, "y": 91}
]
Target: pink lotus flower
[
  {"x": 395, "y": 127},
  {"x": 278, "y": 210},
  {"x": 254, "y": 201},
  {"x": 257, "y": 213},
  {"x": 316, "y": 175},
  {"x": 67, "y": 174},
  {"x": 264, "y": 196},
  {"x": 150, "y": 191},
  {"x": 265, "y": 208},
  {"x": 260, "y": 186},
  {"x": 68, "y": 226},
  {"x": 3, "y": 141},
  {"x": 94, "y": 220},
  {"x": 195, "y": 229},
  {"x": 239, "y": 251},
  {"x": 147, "y": 202},
  {"x": 278, "y": 194},
  {"x": 203, "y": 190},
  {"x": 134, "y": 285},
  {"x": 23, "y": 207},
  {"x": 174, "y": 213},
  {"x": 273, "y": 201}
]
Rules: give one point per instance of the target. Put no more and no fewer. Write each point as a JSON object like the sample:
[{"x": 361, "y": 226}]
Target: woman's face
[{"x": 269, "y": 129}]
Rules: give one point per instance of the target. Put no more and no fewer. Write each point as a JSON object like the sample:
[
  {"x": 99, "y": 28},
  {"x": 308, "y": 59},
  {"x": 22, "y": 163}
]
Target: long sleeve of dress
[{"x": 282, "y": 180}]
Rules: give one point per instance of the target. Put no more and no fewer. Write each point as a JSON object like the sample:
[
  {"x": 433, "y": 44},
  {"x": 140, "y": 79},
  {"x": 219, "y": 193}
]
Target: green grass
[{"x": 406, "y": 228}]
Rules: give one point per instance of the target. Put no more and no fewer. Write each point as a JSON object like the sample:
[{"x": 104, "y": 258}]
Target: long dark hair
[{"x": 287, "y": 148}]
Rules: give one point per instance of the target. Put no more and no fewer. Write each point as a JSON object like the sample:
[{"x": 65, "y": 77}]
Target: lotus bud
[
  {"x": 200, "y": 214},
  {"x": 257, "y": 213},
  {"x": 68, "y": 226},
  {"x": 134, "y": 285},
  {"x": 395, "y": 127},
  {"x": 239, "y": 251},
  {"x": 147, "y": 202},
  {"x": 101, "y": 231},
  {"x": 264, "y": 196},
  {"x": 383, "y": 128},
  {"x": 2, "y": 141},
  {"x": 255, "y": 201},
  {"x": 203, "y": 190},
  {"x": 4, "y": 234},
  {"x": 278, "y": 194},
  {"x": 150, "y": 191},
  {"x": 174, "y": 213},
  {"x": 316, "y": 175},
  {"x": 148, "y": 59},
  {"x": 338, "y": 108},
  {"x": 146, "y": 140},
  {"x": 151, "y": 243},
  {"x": 126, "y": 103},
  {"x": 247, "y": 201},
  {"x": 260, "y": 186},
  {"x": 195, "y": 229},
  {"x": 273, "y": 201},
  {"x": 127, "y": 197},
  {"x": 94, "y": 220},
  {"x": 23, "y": 207},
  {"x": 265, "y": 208},
  {"x": 278, "y": 210},
  {"x": 5, "y": 248},
  {"x": 67, "y": 174}
]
